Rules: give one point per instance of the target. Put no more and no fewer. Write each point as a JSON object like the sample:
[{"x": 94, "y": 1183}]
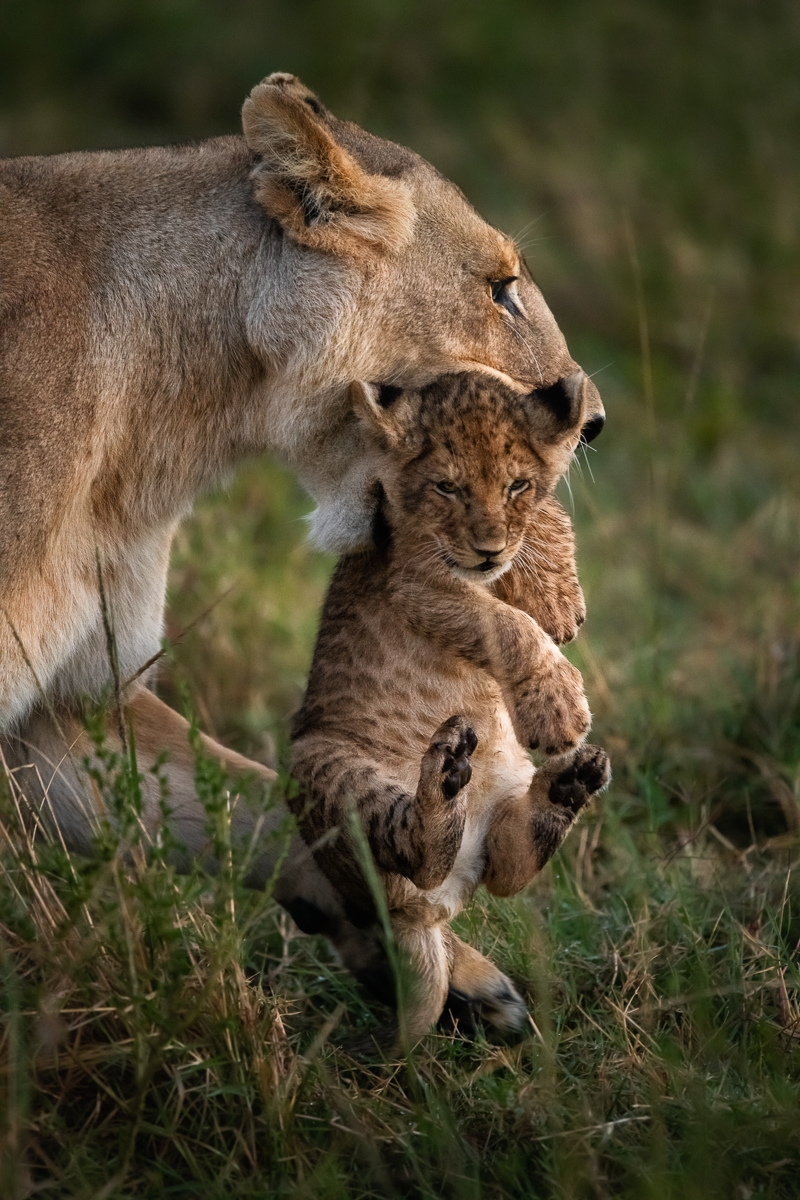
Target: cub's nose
[{"x": 488, "y": 554}]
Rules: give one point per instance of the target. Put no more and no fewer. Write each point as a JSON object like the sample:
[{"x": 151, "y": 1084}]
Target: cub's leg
[
  {"x": 479, "y": 991},
  {"x": 414, "y": 835},
  {"x": 445, "y": 772},
  {"x": 523, "y": 835},
  {"x": 425, "y": 962},
  {"x": 446, "y": 976},
  {"x": 543, "y": 691},
  {"x": 426, "y": 957},
  {"x": 424, "y": 952},
  {"x": 526, "y": 830}
]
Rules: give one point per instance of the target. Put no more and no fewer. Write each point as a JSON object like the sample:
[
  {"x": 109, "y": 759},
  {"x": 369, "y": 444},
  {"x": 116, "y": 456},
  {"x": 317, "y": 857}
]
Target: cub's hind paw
[
  {"x": 499, "y": 1009},
  {"x": 504, "y": 1014},
  {"x": 451, "y": 747},
  {"x": 460, "y": 1015},
  {"x": 587, "y": 774}
]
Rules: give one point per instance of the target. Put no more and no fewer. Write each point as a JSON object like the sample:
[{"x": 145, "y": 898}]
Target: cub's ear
[
  {"x": 310, "y": 184},
  {"x": 385, "y": 411},
  {"x": 557, "y": 411}
]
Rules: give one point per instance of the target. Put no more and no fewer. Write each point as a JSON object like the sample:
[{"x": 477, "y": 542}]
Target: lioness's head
[
  {"x": 437, "y": 289},
  {"x": 466, "y": 462}
]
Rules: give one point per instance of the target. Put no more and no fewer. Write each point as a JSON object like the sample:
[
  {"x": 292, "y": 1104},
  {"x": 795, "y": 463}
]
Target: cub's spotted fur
[{"x": 457, "y": 609}]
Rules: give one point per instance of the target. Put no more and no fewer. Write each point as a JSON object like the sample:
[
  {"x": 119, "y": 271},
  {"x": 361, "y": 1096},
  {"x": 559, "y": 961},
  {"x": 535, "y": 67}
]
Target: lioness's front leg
[
  {"x": 48, "y": 762},
  {"x": 526, "y": 830},
  {"x": 543, "y": 691}
]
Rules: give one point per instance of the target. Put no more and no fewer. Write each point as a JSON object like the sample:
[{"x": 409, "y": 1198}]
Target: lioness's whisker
[{"x": 530, "y": 349}]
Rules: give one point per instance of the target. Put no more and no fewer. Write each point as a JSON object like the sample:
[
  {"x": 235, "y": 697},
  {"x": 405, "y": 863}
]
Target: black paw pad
[
  {"x": 577, "y": 783},
  {"x": 457, "y": 774},
  {"x": 568, "y": 792},
  {"x": 456, "y": 769},
  {"x": 593, "y": 772}
]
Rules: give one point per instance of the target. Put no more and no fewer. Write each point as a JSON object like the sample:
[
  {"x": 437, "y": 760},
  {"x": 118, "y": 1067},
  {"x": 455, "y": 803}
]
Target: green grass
[{"x": 168, "y": 1035}]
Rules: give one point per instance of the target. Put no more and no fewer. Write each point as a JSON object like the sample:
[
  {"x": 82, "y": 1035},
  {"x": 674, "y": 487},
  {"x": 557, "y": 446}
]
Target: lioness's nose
[
  {"x": 490, "y": 550},
  {"x": 594, "y": 415},
  {"x": 591, "y": 429}
]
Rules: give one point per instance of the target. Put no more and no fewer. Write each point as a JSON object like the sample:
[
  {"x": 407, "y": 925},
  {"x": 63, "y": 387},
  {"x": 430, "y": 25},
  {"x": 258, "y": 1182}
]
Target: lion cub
[{"x": 456, "y": 610}]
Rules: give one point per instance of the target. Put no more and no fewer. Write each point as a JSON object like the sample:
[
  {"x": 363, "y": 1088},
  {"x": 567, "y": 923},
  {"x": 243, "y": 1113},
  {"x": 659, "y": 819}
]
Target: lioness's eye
[
  {"x": 446, "y": 487},
  {"x": 501, "y": 294},
  {"x": 519, "y": 485}
]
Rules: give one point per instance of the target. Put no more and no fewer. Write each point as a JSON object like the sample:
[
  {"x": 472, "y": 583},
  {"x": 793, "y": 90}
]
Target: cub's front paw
[
  {"x": 563, "y": 615},
  {"x": 588, "y": 773},
  {"x": 566, "y": 624},
  {"x": 551, "y": 712},
  {"x": 447, "y": 758}
]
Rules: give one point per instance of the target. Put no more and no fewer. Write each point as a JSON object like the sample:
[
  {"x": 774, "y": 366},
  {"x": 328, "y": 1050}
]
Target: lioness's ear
[
  {"x": 383, "y": 410},
  {"x": 310, "y": 184}
]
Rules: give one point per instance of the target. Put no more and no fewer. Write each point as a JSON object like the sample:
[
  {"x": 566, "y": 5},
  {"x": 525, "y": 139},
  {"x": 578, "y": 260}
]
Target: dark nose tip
[
  {"x": 591, "y": 429},
  {"x": 486, "y": 553}
]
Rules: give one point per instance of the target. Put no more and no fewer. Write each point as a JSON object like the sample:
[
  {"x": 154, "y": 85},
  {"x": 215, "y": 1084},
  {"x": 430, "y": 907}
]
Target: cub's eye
[
  {"x": 519, "y": 485},
  {"x": 445, "y": 487},
  {"x": 504, "y": 293}
]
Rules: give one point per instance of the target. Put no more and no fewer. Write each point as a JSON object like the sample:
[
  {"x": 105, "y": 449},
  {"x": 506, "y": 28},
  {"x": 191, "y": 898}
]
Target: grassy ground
[{"x": 171, "y": 1036}]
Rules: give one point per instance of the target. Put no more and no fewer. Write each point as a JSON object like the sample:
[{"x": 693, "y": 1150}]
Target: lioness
[
  {"x": 165, "y": 312},
  {"x": 454, "y": 610}
]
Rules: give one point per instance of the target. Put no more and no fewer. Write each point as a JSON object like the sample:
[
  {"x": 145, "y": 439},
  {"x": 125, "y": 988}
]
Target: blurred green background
[{"x": 646, "y": 156}]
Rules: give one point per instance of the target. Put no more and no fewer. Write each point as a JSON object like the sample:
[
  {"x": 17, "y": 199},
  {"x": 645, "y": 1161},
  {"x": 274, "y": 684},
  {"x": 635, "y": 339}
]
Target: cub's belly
[{"x": 500, "y": 769}]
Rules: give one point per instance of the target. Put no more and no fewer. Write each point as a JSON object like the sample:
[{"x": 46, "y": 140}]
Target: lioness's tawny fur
[
  {"x": 165, "y": 312},
  {"x": 456, "y": 610}
]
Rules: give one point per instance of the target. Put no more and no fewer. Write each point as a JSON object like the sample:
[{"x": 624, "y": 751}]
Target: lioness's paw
[
  {"x": 449, "y": 754},
  {"x": 551, "y": 712},
  {"x": 586, "y": 775}
]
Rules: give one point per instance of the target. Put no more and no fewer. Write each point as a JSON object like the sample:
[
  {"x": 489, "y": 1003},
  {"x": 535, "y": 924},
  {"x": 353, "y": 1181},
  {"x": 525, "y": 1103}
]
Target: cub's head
[{"x": 466, "y": 462}]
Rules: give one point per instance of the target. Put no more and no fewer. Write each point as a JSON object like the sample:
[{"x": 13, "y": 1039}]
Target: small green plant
[{"x": 124, "y": 982}]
